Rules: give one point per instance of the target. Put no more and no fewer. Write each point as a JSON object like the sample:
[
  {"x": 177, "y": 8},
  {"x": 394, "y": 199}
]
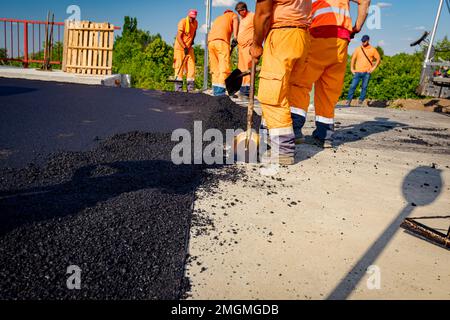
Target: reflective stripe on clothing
[
  {"x": 327, "y": 71},
  {"x": 331, "y": 13},
  {"x": 299, "y": 111},
  {"x": 283, "y": 59},
  {"x": 325, "y": 120}
]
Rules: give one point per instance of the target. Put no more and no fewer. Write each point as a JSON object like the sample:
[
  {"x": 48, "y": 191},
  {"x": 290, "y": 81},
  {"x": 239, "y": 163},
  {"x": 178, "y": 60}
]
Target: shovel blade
[{"x": 234, "y": 82}]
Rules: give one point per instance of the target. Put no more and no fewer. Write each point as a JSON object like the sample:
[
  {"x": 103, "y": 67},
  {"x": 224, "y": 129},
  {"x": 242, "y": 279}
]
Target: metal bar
[
  {"x": 33, "y": 41},
  {"x": 12, "y": 41},
  {"x": 206, "y": 55},
  {"x": 6, "y": 49},
  {"x": 433, "y": 35},
  {"x": 18, "y": 40},
  {"x": 25, "y": 45}
]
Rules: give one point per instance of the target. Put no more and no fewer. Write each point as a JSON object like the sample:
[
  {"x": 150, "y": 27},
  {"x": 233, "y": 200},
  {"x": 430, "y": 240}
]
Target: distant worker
[
  {"x": 283, "y": 26},
  {"x": 219, "y": 42},
  {"x": 245, "y": 40},
  {"x": 365, "y": 60},
  {"x": 184, "y": 58},
  {"x": 331, "y": 31}
]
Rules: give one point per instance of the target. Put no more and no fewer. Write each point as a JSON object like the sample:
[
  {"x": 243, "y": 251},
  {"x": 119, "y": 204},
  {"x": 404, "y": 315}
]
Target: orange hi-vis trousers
[
  {"x": 219, "y": 61},
  {"x": 284, "y": 57},
  {"x": 325, "y": 67},
  {"x": 245, "y": 63},
  {"x": 188, "y": 68}
]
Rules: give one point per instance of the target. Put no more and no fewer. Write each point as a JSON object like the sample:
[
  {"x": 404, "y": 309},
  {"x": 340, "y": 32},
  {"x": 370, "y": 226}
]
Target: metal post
[
  {"x": 433, "y": 36},
  {"x": 206, "y": 61},
  {"x": 25, "y": 45}
]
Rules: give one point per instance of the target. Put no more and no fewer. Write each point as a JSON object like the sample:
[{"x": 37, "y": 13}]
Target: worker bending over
[
  {"x": 331, "y": 31},
  {"x": 245, "y": 40},
  {"x": 283, "y": 26},
  {"x": 184, "y": 57},
  {"x": 219, "y": 42}
]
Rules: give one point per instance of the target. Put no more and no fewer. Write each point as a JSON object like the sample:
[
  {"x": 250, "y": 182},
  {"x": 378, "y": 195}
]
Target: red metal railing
[
  {"x": 26, "y": 48},
  {"x": 26, "y": 40}
]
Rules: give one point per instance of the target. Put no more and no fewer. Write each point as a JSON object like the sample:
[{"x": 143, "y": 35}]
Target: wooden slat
[
  {"x": 88, "y": 47},
  {"x": 110, "y": 53}
]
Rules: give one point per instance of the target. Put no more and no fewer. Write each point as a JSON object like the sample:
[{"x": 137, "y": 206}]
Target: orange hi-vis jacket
[
  {"x": 331, "y": 13},
  {"x": 222, "y": 27}
]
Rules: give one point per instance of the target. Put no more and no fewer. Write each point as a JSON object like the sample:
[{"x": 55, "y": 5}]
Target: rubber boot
[
  {"x": 282, "y": 150},
  {"x": 299, "y": 122},
  {"x": 178, "y": 87},
  {"x": 191, "y": 86},
  {"x": 218, "y": 91}
]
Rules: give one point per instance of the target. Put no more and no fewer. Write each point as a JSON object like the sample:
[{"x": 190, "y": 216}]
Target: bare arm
[
  {"x": 378, "y": 61},
  {"x": 180, "y": 39},
  {"x": 263, "y": 16},
  {"x": 363, "y": 10},
  {"x": 235, "y": 27}
]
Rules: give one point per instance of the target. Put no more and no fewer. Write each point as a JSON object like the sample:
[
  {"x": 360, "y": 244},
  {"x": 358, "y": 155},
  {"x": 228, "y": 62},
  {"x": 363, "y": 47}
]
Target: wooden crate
[{"x": 88, "y": 47}]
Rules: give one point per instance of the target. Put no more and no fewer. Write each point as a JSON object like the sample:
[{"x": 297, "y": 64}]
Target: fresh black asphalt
[{"x": 86, "y": 179}]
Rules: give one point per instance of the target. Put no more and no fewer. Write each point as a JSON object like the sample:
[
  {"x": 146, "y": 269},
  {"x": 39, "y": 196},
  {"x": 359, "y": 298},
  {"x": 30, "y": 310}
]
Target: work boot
[
  {"x": 348, "y": 104},
  {"x": 298, "y": 120},
  {"x": 283, "y": 160},
  {"x": 282, "y": 150},
  {"x": 321, "y": 143},
  {"x": 361, "y": 103},
  {"x": 218, "y": 91},
  {"x": 323, "y": 135},
  {"x": 244, "y": 92},
  {"x": 191, "y": 86},
  {"x": 178, "y": 87}
]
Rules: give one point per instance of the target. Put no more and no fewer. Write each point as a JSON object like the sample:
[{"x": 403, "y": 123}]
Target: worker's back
[{"x": 222, "y": 27}]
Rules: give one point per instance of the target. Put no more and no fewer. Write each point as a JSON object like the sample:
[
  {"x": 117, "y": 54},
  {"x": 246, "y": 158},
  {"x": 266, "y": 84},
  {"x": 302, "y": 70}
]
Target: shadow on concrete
[
  {"x": 11, "y": 91},
  {"x": 91, "y": 185},
  {"x": 421, "y": 187},
  {"x": 357, "y": 132}
]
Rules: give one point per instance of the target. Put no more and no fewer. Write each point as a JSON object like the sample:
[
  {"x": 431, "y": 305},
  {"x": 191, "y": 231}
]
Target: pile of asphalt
[{"x": 121, "y": 212}]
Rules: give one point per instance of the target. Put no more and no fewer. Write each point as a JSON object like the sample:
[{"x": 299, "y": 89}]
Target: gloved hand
[
  {"x": 234, "y": 43},
  {"x": 186, "y": 51}
]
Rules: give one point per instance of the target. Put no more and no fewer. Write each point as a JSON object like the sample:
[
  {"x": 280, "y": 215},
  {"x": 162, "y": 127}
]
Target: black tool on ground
[
  {"x": 176, "y": 80},
  {"x": 234, "y": 81},
  {"x": 426, "y": 232}
]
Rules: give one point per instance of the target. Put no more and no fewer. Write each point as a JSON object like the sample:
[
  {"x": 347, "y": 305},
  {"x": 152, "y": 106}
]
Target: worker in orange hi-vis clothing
[
  {"x": 331, "y": 31},
  {"x": 184, "y": 58},
  {"x": 219, "y": 41},
  {"x": 245, "y": 40},
  {"x": 283, "y": 26}
]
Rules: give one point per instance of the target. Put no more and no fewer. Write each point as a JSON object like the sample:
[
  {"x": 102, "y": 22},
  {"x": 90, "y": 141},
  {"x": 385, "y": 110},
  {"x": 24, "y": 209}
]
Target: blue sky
[{"x": 402, "y": 21}]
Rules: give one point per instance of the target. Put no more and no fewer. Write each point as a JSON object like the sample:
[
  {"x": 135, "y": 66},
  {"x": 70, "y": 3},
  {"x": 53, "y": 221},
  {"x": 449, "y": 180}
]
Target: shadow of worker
[
  {"x": 421, "y": 187},
  {"x": 357, "y": 132}
]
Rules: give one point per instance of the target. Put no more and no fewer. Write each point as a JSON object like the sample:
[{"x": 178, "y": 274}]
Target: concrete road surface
[{"x": 328, "y": 227}]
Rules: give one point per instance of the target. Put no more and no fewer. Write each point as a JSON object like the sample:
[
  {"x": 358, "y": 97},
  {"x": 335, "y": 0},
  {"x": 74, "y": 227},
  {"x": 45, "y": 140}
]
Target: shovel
[
  {"x": 234, "y": 81},
  {"x": 249, "y": 138},
  {"x": 182, "y": 65}
]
